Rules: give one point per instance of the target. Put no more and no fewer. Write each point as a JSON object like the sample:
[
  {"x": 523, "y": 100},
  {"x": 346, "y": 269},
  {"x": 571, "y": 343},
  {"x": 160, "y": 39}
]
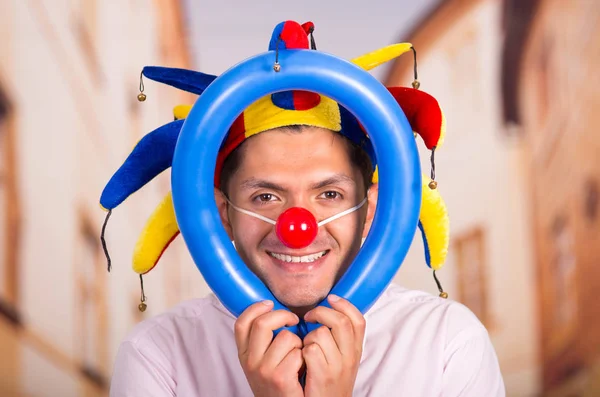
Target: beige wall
[
  {"x": 532, "y": 187},
  {"x": 481, "y": 174},
  {"x": 560, "y": 117},
  {"x": 76, "y": 118}
]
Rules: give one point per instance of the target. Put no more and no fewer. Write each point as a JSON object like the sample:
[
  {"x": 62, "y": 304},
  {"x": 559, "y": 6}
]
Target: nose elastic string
[
  {"x": 322, "y": 223},
  {"x": 243, "y": 211},
  {"x": 348, "y": 211}
]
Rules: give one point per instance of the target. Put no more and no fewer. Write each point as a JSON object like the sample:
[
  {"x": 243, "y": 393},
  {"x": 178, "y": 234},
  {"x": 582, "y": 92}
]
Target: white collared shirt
[{"x": 416, "y": 345}]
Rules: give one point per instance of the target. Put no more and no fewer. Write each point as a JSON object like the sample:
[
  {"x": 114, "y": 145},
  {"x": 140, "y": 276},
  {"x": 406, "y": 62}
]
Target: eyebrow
[
  {"x": 255, "y": 183},
  {"x": 333, "y": 180}
]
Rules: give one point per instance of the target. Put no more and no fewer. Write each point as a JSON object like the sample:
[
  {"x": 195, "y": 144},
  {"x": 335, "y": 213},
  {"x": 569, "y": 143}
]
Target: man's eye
[
  {"x": 331, "y": 195},
  {"x": 265, "y": 197}
]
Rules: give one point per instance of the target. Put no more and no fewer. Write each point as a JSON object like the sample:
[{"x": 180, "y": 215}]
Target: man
[{"x": 409, "y": 343}]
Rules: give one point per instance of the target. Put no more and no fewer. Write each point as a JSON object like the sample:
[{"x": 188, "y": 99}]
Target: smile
[{"x": 298, "y": 259}]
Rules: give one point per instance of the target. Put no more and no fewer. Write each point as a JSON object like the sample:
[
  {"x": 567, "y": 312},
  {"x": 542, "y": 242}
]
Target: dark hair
[{"x": 359, "y": 158}]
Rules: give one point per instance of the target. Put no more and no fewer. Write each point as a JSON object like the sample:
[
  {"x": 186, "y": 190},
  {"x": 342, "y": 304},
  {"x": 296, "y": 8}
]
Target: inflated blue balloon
[{"x": 206, "y": 126}]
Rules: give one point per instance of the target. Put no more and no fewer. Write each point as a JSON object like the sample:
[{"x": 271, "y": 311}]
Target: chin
[
  {"x": 299, "y": 295},
  {"x": 295, "y": 300},
  {"x": 301, "y": 286}
]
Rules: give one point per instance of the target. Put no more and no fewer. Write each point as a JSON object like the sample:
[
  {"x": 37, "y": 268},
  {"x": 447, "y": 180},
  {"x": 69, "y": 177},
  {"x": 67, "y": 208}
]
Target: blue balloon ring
[{"x": 206, "y": 127}]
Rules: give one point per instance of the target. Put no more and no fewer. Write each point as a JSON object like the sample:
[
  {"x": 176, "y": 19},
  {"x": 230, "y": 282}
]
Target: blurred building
[
  {"x": 520, "y": 172},
  {"x": 550, "y": 93},
  {"x": 69, "y": 116}
]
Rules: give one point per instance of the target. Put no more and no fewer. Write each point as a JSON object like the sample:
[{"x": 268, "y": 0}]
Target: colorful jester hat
[{"x": 154, "y": 153}]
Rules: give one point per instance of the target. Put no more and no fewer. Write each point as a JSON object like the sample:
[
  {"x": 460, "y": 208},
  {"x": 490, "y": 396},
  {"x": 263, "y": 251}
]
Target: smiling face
[{"x": 312, "y": 169}]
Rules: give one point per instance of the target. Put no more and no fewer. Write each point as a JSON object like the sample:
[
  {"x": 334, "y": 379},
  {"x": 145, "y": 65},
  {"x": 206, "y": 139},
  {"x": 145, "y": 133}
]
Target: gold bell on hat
[
  {"x": 433, "y": 185},
  {"x": 142, "y": 306},
  {"x": 416, "y": 84},
  {"x": 141, "y": 96},
  {"x": 443, "y": 294}
]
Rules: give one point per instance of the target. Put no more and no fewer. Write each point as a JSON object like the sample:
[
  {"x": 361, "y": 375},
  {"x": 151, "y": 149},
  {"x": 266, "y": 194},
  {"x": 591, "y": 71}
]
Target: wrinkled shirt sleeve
[
  {"x": 137, "y": 374},
  {"x": 471, "y": 366}
]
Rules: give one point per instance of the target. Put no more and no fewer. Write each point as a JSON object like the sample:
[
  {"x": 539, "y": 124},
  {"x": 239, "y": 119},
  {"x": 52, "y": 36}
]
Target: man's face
[{"x": 311, "y": 169}]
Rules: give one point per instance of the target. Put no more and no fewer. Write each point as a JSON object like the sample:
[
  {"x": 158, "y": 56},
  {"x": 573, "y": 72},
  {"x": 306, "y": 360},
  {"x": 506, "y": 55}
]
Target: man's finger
[
  {"x": 322, "y": 336},
  {"x": 243, "y": 324},
  {"x": 316, "y": 364},
  {"x": 356, "y": 317},
  {"x": 344, "y": 306},
  {"x": 292, "y": 362},
  {"x": 282, "y": 345},
  {"x": 341, "y": 327},
  {"x": 261, "y": 334}
]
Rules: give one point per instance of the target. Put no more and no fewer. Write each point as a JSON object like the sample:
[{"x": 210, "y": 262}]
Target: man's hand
[
  {"x": 270, "y": 365},
  {"x": 332, "y": 352}
]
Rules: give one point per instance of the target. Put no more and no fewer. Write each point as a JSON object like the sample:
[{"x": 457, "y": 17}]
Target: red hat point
[{"x": 296, "y": 227}]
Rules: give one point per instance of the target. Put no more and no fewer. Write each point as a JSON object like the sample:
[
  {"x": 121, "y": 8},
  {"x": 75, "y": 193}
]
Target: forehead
[{"x": 297, "y": 150}]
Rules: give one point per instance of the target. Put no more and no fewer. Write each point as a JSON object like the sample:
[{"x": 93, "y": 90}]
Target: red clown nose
[{"x": 296, "y": 227}]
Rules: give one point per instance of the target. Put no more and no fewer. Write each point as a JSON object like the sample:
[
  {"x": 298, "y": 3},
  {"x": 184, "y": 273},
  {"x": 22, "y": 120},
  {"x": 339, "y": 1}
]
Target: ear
[
  {"x": 372, "y": 195},
  {"x": 222, "y": 208}
]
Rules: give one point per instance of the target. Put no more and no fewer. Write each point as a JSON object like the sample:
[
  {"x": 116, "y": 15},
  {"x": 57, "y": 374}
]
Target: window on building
[
  {"x": 564, "y": 266},
  {"x": 544, "y": 77},
  {"x": 470, "y": 254},
  {"x": 591, "y": 201},
  {"x": 3, "y": 205},
  {"x": 92, "y": 311},
  {"x": 9, "y": 215}
]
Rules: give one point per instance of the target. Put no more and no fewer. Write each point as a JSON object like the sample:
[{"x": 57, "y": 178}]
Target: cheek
[
  {"x": 347, "y": 230},
  {"x": 248, "y": 232}
]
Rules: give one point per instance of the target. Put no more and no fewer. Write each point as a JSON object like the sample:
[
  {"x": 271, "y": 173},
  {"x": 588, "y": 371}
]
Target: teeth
[{"x": 298, "y": 259}]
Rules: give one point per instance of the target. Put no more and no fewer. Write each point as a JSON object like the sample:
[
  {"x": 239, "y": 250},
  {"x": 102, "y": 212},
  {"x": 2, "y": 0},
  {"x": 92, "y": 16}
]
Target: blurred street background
[{"x": 519, "y": 170}]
